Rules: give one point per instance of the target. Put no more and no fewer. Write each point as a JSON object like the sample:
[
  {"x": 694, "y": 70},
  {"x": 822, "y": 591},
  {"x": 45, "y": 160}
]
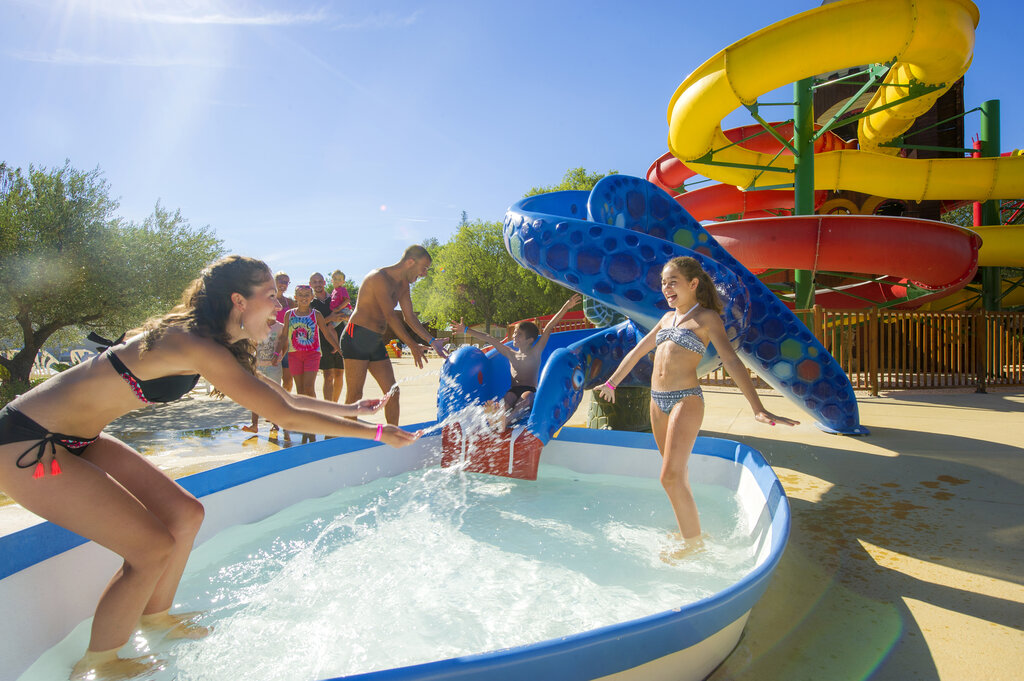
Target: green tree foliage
[
  {"x": 66, "y": 260},
  {"x": 473, "y": 278},
  {"x": 1010, "y": 213},
  {"x": 574, "y": 178},
  {"x": 962, "y": 216}
]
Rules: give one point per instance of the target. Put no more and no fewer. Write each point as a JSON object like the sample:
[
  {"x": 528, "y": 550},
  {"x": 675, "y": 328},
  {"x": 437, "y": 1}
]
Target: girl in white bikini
[{"x": 677, "y": 403}]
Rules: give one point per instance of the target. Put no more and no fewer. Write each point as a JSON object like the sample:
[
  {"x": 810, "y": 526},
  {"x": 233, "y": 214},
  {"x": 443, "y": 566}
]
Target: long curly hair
[
  {"x": 206, "y": 306},
  {"x": 690, "y": 268}
]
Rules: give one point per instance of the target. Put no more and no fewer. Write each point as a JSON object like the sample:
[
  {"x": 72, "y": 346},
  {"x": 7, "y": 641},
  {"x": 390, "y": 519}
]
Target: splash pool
[{"x": 647, "y": 633}]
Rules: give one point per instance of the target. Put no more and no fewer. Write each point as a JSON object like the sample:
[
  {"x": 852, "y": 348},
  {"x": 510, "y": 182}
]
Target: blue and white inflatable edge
[{"x": 53, "y": 577}]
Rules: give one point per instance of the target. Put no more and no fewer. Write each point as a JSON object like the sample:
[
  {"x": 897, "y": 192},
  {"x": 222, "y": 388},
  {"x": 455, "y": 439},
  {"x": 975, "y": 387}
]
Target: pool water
[{"x": 433, "y": 564}]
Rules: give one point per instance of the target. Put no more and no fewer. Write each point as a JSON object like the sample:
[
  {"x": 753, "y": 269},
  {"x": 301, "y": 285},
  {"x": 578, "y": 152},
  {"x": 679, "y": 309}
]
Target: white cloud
[
  {"x": 202, "y": 14},
  {"x": 379, "y": 21},
  {"x": 67, "y": 57}
]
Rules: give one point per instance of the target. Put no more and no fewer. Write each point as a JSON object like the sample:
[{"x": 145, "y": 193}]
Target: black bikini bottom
[{"x": 16, "y": 427}]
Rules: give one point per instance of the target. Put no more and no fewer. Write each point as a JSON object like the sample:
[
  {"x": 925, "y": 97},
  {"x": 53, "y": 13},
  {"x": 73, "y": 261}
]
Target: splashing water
[{"x": 433, "y": 564}]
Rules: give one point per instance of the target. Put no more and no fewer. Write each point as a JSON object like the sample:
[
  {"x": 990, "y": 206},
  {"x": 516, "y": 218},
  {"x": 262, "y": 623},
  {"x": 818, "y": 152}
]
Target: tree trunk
[
  {"x": 20, "y": 366},
  {"x": 631, "y": 411}
]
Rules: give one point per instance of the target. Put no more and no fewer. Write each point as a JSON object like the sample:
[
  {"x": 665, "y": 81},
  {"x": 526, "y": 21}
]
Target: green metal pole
[
  {"x": 991, "y": 279},
  {"x": 803, "y": 181}
]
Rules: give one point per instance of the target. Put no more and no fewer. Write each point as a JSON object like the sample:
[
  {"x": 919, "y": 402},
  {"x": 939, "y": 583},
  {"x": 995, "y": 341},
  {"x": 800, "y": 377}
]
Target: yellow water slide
[{"x": 931, "y": 43}]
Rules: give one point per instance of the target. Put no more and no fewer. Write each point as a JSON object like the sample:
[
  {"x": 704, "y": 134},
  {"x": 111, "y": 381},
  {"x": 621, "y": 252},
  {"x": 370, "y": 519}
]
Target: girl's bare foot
[
  {"x": 177, "y": 626},
  {"x": 107, "y": 666},
  {"x": 689, "y": 547},
  {"x": 251, "y": 429}
]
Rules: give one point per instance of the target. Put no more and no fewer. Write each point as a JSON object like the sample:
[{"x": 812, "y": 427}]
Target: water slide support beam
[
  {"x": 991, "y": 277},
  {"x": 874, "y": 73},
  {"x": 803, "y": 180}
]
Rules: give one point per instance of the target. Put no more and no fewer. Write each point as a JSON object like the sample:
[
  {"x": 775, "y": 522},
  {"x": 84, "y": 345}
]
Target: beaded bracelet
[{"x": 380, "y": 431}]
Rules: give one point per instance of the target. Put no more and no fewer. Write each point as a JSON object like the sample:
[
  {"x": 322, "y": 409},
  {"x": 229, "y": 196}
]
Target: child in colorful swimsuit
[
  {"x": 102, "y": 489},
  {"x": 302, "y": 340},
  {"x": 677, "y": 403},
  {"x": 524, "y": 359}
]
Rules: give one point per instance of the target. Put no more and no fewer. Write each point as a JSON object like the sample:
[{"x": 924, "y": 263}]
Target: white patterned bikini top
[{"x": 687, "y": 339}]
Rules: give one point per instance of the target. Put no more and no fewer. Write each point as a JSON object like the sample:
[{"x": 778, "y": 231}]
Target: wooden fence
[{"x": 900, "y": 349}]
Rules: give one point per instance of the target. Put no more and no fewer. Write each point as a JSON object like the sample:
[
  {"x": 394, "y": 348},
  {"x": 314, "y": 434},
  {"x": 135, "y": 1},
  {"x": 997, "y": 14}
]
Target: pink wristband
[
  {"x": 380, "y": 431},
  {"x": 608, "y": 384}
]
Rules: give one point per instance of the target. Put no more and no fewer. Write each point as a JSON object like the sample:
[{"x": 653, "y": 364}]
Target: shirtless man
[{"x": 362, "y": 343}]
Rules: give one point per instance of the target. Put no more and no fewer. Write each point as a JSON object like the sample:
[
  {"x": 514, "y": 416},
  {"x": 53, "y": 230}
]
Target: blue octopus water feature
[{"x": 610, "y": 244}]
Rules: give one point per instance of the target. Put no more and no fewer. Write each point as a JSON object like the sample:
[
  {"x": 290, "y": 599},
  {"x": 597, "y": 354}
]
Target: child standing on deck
[
  {"x": 677, "y": 403},
  {"x": 524, "y": 359},
  {"x": 301, "y": 339}
]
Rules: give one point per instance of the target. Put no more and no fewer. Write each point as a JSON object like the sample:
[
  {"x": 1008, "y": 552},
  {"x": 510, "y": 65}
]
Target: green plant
[{"x": 10, "y": 389}]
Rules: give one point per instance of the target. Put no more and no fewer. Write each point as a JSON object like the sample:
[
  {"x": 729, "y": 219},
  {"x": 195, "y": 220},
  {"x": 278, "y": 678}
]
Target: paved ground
[{"x": 907, "y": 546}]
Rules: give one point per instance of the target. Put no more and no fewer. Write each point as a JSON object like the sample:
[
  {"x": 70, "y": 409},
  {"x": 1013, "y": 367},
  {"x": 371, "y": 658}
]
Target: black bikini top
[{"x": 163, "y": 389}]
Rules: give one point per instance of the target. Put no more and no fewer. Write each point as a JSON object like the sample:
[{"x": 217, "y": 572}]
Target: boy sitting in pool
[{"x": 524, "y": 360}]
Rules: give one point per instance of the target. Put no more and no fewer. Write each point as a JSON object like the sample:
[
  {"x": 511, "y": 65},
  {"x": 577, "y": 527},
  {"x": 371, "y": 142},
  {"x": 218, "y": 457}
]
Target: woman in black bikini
[
  {"x": 97, "y": 486},
  {"x": 677, "y": 403}
]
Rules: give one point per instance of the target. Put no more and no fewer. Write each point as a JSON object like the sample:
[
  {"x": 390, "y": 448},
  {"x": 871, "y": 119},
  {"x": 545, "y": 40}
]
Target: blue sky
[{"x": 323, "y": 135}]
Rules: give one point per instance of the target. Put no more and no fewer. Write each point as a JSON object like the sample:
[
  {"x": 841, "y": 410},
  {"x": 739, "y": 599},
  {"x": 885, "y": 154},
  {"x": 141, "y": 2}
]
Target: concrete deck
[{"x": 906, "y": 559}]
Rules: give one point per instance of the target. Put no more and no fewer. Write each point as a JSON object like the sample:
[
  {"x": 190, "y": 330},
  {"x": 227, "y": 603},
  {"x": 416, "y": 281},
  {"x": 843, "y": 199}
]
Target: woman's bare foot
[
  {"x": 251, "y": 429},
  {"x": 107, "y": 666},
  {"x": 177, "y": 626}
]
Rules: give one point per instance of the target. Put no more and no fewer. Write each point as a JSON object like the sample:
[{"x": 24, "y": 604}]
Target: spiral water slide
[{"x": 932, "y": 43}]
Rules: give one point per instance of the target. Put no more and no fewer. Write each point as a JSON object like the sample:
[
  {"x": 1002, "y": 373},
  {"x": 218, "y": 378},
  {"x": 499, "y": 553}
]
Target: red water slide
[
  {"x": 933, "y": 256},
  {"x": 711, "y": 203}
]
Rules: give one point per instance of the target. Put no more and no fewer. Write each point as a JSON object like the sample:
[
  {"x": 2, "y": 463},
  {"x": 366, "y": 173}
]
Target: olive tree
[{"x": 68, "y": 261}]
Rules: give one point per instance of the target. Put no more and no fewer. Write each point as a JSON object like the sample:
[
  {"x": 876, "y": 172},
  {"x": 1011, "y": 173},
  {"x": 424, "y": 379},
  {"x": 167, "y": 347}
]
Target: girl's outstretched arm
[
  {"x": 648, "y": 343},
  {"x": 738, "y": 370}
]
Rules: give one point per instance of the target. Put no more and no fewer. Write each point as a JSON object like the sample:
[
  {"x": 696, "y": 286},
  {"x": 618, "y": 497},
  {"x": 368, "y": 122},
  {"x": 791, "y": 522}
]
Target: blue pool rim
[{"x": 587, "y": 655}]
